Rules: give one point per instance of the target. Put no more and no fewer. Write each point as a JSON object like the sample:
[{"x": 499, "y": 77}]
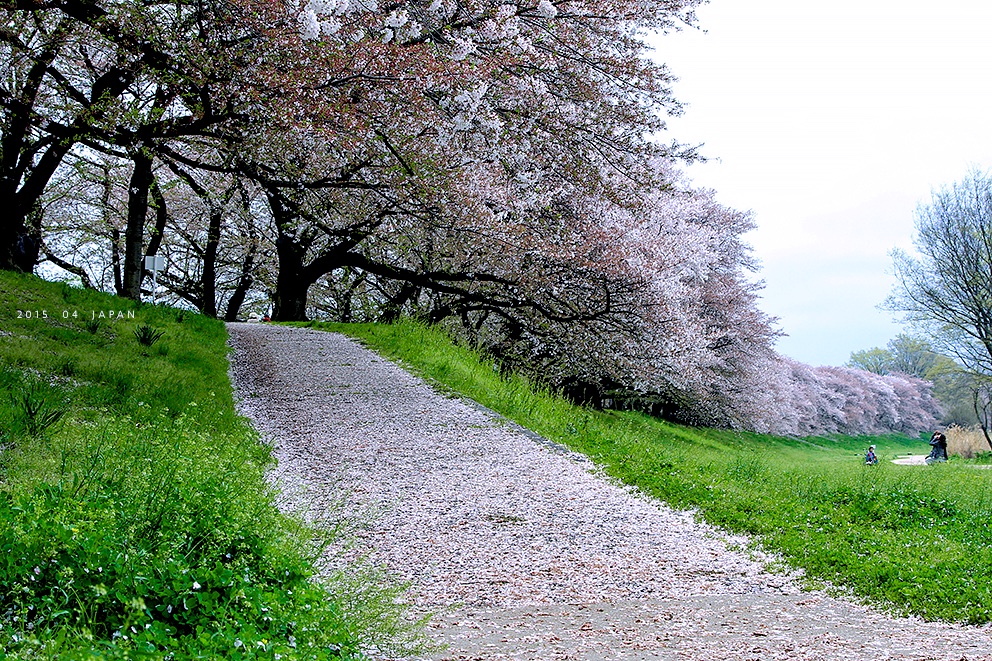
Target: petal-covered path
[{"x": 522, "y": 549}]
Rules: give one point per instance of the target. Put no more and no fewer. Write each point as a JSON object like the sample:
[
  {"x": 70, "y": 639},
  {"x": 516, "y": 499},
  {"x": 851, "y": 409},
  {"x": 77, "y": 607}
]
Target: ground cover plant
[
  {"x": 914, "y": 538},
  {"x": 135, "y": 517}
]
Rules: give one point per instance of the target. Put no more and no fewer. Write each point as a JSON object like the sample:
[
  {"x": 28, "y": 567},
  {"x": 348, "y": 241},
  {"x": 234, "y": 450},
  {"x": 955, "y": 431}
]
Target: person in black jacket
[{"x": 938, "y": 445}]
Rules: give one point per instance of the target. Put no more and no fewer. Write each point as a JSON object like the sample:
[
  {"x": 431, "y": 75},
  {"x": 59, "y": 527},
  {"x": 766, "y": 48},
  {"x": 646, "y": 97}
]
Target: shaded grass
[
  {"x": 916, "y": 539},
  {"x": 136, "y": 521}
]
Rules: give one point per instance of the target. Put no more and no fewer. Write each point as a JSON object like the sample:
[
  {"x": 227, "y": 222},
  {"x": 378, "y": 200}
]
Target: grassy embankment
[
  {"x": 916, "y": 538},
  {"x": 135, "y": 519}
]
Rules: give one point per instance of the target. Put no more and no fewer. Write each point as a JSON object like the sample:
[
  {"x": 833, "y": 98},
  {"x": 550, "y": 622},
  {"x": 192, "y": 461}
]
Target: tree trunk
[
  {"x": 115, "y": 259},
  {"x": 290, "y": 300},
  {"x": 982, "y": 399},
  {"x": 209, "y": 280},
  {"x": 392, "y": 308},
  {"x": 245, "y": 281},
  {"x": 161, "y": 218},
  {"x": 20, "y": 241},
  {"x": 134, "y": 233}
]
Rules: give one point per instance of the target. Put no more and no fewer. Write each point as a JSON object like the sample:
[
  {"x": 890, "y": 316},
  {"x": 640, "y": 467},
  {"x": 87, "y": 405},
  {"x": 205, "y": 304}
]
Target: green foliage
[
  {"x": 875, "y": 360},
  {"x": 36, "y": 408},
  {"x": 142, "y": 525},
  {"x": 147, "y": 335},
  {"x": 915, "y": 538}
]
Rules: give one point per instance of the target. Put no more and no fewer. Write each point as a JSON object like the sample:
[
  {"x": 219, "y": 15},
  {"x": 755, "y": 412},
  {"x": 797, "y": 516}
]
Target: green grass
[
  {"x": 135, "y": 517},
  {"x": 916, "y": 539}
]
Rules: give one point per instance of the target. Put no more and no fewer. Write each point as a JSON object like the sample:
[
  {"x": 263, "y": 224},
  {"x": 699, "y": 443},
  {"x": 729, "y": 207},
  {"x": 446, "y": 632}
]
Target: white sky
[{"x": 831, "y": 121}]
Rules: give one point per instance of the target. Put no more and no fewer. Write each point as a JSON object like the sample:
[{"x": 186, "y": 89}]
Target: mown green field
[
  {"x": 135, "y": 518},
  {"x": 913, "y": 538}
]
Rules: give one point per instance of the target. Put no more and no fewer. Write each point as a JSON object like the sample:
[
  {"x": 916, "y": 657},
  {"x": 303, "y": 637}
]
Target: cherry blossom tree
[{"x": 492, "y": 166}]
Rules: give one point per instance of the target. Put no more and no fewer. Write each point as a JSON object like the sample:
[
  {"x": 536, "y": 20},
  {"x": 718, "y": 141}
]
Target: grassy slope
[
  {"x": 916, "y": 538},
  {"x": 135, "y": 518}
]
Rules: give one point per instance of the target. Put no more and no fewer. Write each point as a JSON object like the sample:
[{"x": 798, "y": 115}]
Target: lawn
[{"x": 135, "y": 516}]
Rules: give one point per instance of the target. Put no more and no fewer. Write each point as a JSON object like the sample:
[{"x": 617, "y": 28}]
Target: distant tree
[
  {"x": 875, "y": 360},
  {"x": 906, "y": 354},
  {"x": 912, "y": 355},
  {"x": 947, "y": 290}
]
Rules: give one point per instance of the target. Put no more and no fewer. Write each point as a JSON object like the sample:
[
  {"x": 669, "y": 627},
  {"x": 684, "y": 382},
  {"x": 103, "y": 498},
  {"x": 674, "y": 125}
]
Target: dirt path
[
  {"x": 911, "y": 460},
  {"x": 522, "y": 548}
]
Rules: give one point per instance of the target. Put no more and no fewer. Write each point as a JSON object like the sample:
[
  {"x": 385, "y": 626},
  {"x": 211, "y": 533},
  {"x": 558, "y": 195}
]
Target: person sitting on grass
[{"x": 870, "y": 458}]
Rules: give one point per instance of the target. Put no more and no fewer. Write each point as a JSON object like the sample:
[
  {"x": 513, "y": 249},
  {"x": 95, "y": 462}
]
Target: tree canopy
[
  {"x": 494, "y": 166},
  {"x": 946, "y": 288}
]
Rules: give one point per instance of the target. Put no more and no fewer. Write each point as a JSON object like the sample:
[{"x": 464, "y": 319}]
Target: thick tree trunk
[
  {"x": 20, "y": 240},
  {"x": 290, "y": 299},
  {"x": 134, "y": 233}
]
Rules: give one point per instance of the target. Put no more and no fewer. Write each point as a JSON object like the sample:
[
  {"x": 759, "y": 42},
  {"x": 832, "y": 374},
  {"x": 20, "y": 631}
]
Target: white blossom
[
  {"x": 546, "y": 9},
  {"x": 309, "y": 26},
  {"x": 462, "y": 48},
  {"x": 397, "y": 18}
]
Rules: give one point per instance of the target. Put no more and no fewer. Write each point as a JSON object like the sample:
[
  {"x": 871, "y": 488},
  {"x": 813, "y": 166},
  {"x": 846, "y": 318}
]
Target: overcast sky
[{"x": 831, "y": 122}]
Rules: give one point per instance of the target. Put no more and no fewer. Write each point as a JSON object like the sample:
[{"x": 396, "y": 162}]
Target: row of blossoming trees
[{"x": 486, "y": 164}]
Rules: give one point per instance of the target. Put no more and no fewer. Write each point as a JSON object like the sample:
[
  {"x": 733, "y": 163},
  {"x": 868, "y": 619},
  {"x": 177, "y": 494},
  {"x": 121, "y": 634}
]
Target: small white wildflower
[{"x": 196, "y": 586}]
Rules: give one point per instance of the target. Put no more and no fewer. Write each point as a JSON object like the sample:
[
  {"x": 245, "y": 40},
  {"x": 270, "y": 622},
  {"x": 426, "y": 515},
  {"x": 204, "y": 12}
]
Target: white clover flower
[{"x": 546, "y": 9}]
